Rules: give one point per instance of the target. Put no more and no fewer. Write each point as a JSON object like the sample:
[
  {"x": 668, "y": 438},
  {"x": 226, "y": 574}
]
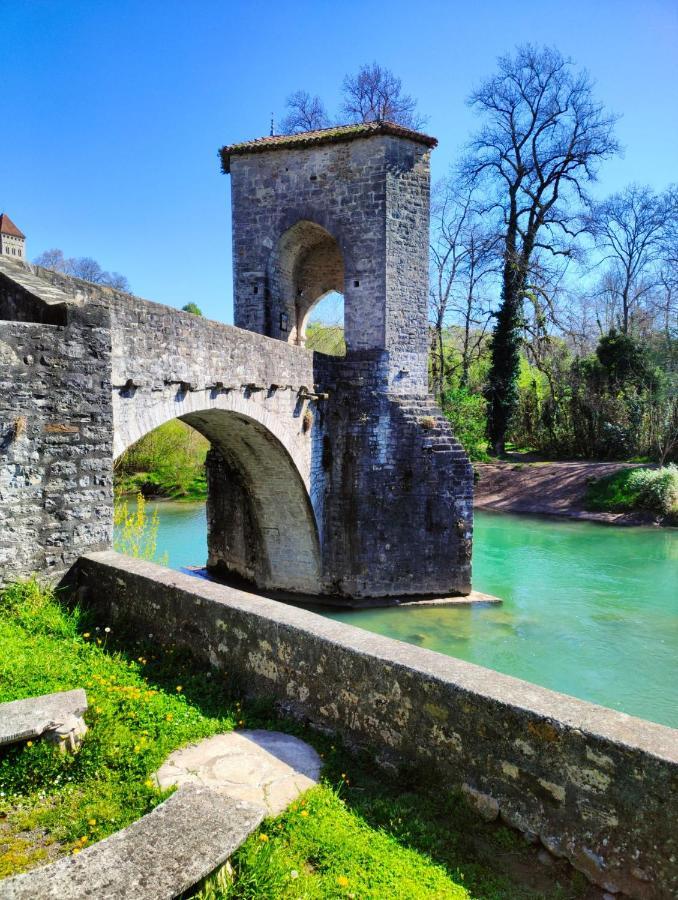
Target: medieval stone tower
[
  {"x": 12, "y": 241},
  {"x": 342, "y": 209},
  {"x": 347, "y": 209}
]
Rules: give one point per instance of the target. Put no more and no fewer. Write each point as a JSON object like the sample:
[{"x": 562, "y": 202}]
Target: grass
[
  {"x": 361, "y": 833},
  {"x": 630, "y": 490},
  {"x": 138, "y": 713}
]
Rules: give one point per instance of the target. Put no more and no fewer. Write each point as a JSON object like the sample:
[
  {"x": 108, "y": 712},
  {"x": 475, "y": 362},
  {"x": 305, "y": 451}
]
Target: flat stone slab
[
  {"x": 159, "y": 857},
  {"x": 21, "y": 720},
  {"x": 265, "y": 767}
]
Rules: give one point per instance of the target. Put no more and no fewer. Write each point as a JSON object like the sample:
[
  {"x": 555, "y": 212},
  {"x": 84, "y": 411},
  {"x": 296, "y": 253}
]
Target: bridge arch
[{"x": 261, "y": 522}]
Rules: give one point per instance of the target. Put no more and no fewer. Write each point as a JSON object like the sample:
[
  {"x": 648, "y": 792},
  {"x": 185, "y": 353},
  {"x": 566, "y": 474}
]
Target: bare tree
[
  {"x": 82, "y": 267},
  {"x": 305, "y": 113},
  {"x": 630, "y": 229},
  {"x": 52, "y": 259},
  {"x": 541, "y": 138},
  {"x": 88, "y": 269},
  {"x": 117, "y": 281},
  {"x": 463, "y": 255},
  {"x": 376, "y": 94}
]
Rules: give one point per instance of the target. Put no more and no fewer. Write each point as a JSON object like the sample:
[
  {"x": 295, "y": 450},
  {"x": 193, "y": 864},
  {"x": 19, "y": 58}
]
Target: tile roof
[
  {"x": 322, "y": 136},
  {"x": 8, "y": 227}
]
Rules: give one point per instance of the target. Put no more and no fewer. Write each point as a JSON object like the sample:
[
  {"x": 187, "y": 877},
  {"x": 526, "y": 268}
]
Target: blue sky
[{"x": 113, "y": 110}]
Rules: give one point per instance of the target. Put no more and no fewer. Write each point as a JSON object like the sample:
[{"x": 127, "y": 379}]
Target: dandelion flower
[
  {"x": 92, "y": 823},
  {"x": 86, "y": 635},
  {"x": 75, "y": 850},
  {"x": 342, "y": 881},
  {"x": 304, "y": 813},
  {"x": 107, "y": 630},
  {"x": 263, "y": 838},
  {"x": 29, "y": 743},
  {"x": 294, "y": 874},
  {"x": 179, "y": 688}
]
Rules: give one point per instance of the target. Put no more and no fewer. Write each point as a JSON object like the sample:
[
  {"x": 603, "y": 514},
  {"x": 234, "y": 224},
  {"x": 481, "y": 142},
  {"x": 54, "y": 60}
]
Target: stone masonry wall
[
  {"x": 56, "y": 435},
  {"x": 350, "y": 491},
  {"x": 593, "y": 785},
  {"x": 397, "y": 517},
  {"x": 371, "y": 196}
]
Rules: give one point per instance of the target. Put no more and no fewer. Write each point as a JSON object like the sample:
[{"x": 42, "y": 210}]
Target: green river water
[{"x": 589, "y": 610}]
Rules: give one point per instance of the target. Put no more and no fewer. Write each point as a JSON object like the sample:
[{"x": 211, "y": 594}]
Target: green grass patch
[
  {"x": 142, "y": 705},
  {"x": 361, "y": 833},
  {"x": 629, "y": 490}
]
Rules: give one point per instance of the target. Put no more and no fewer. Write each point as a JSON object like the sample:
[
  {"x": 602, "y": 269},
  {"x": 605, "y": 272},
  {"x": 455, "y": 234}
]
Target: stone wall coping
[
  {"x": 158, "y": 857},
  {"x": 571, "y": 713},
  {"x": 27, "y": 277},
  {"x": 29, "y": 718}
]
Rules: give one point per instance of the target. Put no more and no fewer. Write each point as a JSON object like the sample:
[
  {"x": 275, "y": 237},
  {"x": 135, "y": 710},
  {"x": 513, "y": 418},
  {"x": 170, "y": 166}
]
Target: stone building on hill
[{"x": 12, "y": 241}]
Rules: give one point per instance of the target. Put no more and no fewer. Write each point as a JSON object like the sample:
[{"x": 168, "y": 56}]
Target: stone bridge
[{"x": 327, "y": 475}]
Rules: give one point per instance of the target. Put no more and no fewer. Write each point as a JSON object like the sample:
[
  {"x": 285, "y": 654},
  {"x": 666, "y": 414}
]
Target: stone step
[
  {"x": 38, "y": 287},
  {"x": 159, "y": 857},
  {"x": 21, "y": 720}
]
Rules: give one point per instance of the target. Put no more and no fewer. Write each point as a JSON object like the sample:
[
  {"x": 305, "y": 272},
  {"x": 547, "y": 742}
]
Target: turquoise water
[{"x": 589, "y": 610}]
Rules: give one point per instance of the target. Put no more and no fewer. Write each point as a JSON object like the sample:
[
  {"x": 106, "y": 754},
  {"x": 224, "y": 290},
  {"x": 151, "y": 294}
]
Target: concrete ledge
[
  {"x": 597, "y": 786},
  {"x": 159, "y": 857},
  {"x": 21, "y": 720}
]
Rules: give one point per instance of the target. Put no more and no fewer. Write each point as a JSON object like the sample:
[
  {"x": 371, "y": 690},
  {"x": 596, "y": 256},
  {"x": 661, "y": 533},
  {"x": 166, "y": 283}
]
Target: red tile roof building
[{"x": 12, "y": 240}]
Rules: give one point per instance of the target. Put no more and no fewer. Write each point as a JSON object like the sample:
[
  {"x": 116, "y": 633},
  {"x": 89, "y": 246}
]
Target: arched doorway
[{"x": 306, "y": 266}]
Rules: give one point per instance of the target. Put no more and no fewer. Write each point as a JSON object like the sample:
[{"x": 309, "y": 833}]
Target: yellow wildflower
[
  {"x": 263, "y": 838},
  {"x": 342, "y": 881},
  {"x": 86, "y": 635},
  {"x": 92, "y": 823},
  {"x": 304, "y": 813},
  {"x": 29, "y": 743},
  {"x": 179, "y": 688}
]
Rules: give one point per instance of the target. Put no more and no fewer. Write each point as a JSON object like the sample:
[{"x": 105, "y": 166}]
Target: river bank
[{"x": 550, "y": 488}]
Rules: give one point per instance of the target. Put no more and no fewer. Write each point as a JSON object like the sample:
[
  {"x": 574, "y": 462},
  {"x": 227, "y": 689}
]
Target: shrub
[
  {"x": 136, "y": 533},
  {"x": 654, "y": 490},
  {"x": 467, "y": 413}
]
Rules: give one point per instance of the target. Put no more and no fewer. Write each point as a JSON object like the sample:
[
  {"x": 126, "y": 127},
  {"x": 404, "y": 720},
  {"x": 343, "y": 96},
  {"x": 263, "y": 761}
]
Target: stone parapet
[{"x": 593, "y": 785}]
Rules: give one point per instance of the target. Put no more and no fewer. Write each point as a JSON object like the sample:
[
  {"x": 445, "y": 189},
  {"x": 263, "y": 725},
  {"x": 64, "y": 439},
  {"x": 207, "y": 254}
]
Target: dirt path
[{"x": 547, "y": 488}]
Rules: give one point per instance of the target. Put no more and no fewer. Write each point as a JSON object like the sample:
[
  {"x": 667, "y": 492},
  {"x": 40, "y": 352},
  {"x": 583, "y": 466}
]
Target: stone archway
[
  {"x": 306, "y": 265},
  {"x": 261, "y": 523}
]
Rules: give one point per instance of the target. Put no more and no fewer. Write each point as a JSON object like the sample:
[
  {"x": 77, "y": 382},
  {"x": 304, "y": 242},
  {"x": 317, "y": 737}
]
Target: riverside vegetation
[
  {"x": 360, "y": 833},
  {"x": 616, "y": 403}
]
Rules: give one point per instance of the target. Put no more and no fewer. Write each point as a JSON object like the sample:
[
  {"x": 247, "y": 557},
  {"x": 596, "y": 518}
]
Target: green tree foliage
[
  {"x": 192, "y": 308},
  {"x": 467, "y": 413},
  {"x": 169, "y": 462}
]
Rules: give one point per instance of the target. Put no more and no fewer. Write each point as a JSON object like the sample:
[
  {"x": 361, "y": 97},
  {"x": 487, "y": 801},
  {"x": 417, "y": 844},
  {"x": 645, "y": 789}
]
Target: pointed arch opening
[{"x": 306, "y": 283}]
